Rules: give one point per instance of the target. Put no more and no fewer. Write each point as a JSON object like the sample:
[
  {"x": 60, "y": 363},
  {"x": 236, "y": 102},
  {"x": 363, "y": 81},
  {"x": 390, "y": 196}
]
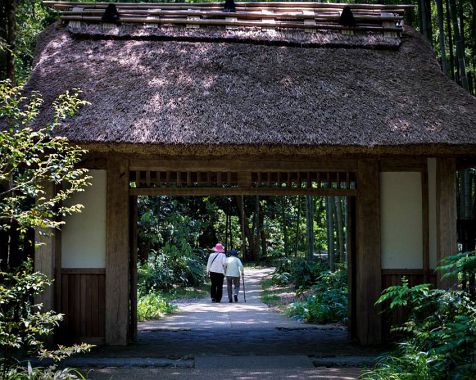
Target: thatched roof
[{"x": 172, "y": 91}]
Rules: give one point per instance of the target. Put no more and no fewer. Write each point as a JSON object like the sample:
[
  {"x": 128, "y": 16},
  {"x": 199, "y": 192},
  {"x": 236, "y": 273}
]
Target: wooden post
[
  {"x": 117, "y": 252},
  {"x": 445, "y": 213},
  {"x": 309, "y": 21},
  {"x": 368, "y": 261},
  {"x": 133, "y": 267},
  {"x": 45, "y": 258}
]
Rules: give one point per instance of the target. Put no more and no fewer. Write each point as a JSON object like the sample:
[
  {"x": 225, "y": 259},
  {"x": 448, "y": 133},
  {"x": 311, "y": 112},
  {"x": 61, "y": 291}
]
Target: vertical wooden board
[
  {"x": 425, "y": 223},
  {"x": 89, "y": 305},
  {"x": 102, "y": 305},
  {"x": 368, "y": 256},
  {"x": 83, "y": 304},
  {"x": 94, "y": 305},
  {"x": 117, "y": 252},
  {"x": 58, "y": 276},
  {"x": 64, "y": 309},
  {"x": 133, "y": 268},
  {"x": 351, "y": 248},
  {"x": 75, "y": 301},
  {"x": 445, "y": 213}
]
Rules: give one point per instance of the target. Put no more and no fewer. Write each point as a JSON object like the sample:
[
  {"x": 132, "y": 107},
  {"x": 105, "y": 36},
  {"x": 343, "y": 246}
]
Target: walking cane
[{"x": 244, "y": 292}]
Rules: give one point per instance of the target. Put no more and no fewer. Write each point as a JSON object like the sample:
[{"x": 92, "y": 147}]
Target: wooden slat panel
[{"x": 82, "y": 303}]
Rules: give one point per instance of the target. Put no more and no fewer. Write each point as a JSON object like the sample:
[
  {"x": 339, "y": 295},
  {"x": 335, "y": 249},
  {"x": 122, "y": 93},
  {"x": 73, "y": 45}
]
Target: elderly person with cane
[
  {"x": 233, "y": 272},
  {"x": 216, "y": 271}
]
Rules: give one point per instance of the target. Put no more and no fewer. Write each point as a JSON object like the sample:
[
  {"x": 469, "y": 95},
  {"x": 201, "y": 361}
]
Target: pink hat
[{"x": 219, "y": 248}]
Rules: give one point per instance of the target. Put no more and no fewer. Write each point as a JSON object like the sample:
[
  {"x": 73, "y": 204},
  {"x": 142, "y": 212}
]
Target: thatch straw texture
[{"x": 215, "y": 94}]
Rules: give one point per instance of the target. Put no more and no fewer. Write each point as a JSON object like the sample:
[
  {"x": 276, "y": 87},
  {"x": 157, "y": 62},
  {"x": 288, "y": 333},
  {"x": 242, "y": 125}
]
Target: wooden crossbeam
[{"x": 268, "y": 181}]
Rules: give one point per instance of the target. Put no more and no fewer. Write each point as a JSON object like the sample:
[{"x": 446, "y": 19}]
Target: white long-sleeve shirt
[
  {"x": 217, "y": 264},
  {"x": 234, "y": 267}
]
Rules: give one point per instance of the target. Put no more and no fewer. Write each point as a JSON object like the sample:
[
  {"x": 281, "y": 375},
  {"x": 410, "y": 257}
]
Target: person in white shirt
[
  {"x": 233, "y": 272},
  {"x": 216, "y": 271}
]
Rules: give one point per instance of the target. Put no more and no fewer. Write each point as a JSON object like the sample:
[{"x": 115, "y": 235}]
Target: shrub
[
  {"x": 38, "y": 373},
  {"x": 440, "y": 333},
  {"x": 283, "y": 278},
  {"x": 153, "y": 306},
  {"x": 299, "y": 271},
  {"x": 327, "y": 301},
  {"x": 169, "y": 268},
  {"x": 23, "y": 324}
]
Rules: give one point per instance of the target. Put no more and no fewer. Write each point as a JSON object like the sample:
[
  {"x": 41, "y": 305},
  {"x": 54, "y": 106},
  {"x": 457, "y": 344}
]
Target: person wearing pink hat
[{"x": 216, "y": 271}]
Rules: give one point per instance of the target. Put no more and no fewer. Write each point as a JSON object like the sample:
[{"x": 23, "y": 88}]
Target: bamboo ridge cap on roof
[
  {"x": 245, "y": 4},
  {"x": 307, "y": 16}
]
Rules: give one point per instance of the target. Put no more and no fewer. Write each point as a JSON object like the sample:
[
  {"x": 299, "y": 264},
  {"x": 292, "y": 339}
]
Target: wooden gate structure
[{"x": 272, "y": 99}]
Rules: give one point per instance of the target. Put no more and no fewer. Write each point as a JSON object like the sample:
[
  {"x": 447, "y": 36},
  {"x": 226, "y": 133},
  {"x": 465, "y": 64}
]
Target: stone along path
[{"x": 209, "y": 338}]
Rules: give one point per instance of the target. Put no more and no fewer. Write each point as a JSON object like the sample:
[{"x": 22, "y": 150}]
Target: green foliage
[
  {"x": 23, "y": 324},
  {"x": 407, "y": 363},
  {"x": 299, "y": 271},
  {"x": 440, "y": 333},
  {"x": 32, "y": 17},
  {"x": 326, "y": 301},
  {"x": 30, "y": 159},
  {"x": 153, "y": 305},
  {"x": 50, "y": 373},
  {"x": 169, "y": 268},
  {"x": 459, "y": 265}
]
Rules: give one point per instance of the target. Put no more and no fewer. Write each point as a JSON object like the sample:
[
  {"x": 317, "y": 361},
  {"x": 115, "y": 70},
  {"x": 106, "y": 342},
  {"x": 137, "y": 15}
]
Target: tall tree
[
  {"x": 459, "y": 41},
  {"x": 441, "y": 36},
  {"x": 310, "y": 227},
  {"x": 340, "y": 228},
  {"x": 330, "y": 231},
  {"x": 8, "y": 36}
]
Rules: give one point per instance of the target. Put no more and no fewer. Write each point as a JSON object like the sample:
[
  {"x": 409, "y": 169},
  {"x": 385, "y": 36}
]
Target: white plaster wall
[
  {"x": 83, "y": 238},
  {"x": 401, "y": 220},
  {"x": 432, "y": 211}
]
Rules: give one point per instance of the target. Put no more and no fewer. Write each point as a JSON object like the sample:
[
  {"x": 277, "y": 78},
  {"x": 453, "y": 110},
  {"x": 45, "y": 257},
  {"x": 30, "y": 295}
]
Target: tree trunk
[
  {"x": 424, "y": 13},
  {"x": 450, "y": 41},
  {"x": 262, "y": 233},
  {"x": 459, "y": 45},
  {"x": 285, "y": 225},
  {"x": 310, "y": 227},
  {"x": 473, "y": 41},
  {"x": 245, "y": 229},
  {"x": 256, "y": 230},
  {"x": 441, "y": 34},
  {"x": 9, "y": 9},
  {"x": 226, "y": 232},
  {"x": 330, "y": 231},
  {"x": 298, "y": 221},
  {"x": 340, "y": 229}
]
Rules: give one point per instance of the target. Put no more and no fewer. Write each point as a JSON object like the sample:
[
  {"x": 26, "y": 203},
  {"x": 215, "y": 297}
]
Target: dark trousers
[
  {"x": 217, "y": 286},
  {"x": 235, "y": 283}
]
